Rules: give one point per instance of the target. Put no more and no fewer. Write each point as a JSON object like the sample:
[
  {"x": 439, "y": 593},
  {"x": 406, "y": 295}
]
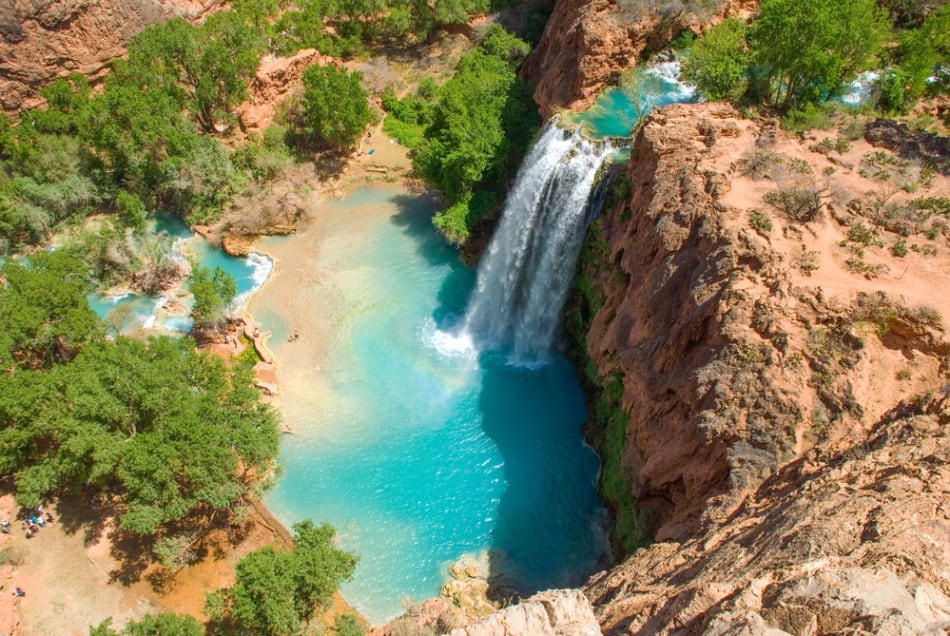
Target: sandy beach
[{"x": 302, "y": 303}]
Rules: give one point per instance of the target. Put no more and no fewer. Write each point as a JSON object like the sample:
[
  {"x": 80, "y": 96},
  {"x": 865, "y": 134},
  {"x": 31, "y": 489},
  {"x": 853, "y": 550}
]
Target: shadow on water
[
  {"x": 415, "y": 219},
  {"x": 551, "y": 527}
]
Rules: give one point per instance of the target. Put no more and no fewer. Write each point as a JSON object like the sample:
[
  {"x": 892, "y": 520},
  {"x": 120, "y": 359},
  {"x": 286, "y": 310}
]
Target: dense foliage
[
  {"x": 165, "y": 624},
  {"x": 214, "y": 292},
  {"x": 808, "y": 48},
  {"x": 348, "y": 27},
  {"x": 717, "y": 62},
  {"x": 469, "y": 134},
  {"x": 918, "y": 53},
  {"x": 171, "y": 431},
  {"x": 335, "y": 110},
  {"x": 798, "y": 53},
  {"x": 278, "y": 591}
]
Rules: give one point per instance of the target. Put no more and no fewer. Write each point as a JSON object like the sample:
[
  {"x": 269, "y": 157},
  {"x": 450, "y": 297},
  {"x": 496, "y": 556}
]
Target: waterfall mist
[{"x": 524, "y": 276}]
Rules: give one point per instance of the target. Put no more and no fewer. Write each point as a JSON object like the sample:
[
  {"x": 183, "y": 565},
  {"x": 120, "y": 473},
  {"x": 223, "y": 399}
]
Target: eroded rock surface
[
  {"x": 551, "y": 613},
  {"x": 41, "y": 40},
  {"x": 789, "y": 418},
  {"x": 587, "y": 43}
]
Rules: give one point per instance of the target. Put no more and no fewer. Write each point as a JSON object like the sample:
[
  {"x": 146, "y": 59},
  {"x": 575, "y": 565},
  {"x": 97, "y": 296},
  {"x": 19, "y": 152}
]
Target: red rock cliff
[
  {"x": 788, "y": 410},
  {"x": 41, "y": 40},
  {"x": 587, "y": 43}
]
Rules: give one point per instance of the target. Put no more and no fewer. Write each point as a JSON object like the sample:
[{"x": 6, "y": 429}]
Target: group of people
[{"x": 31, "y": 522}]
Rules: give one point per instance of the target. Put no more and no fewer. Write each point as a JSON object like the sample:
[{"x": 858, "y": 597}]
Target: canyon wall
[
  {"x": 784, "y": 429},
  {"x": 41, "y": 40},
  {"x": 587, "y": 43}
]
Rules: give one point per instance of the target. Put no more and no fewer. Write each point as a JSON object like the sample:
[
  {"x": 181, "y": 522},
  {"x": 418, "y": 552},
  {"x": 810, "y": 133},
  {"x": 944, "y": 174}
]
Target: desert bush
[
  {"x": 801, "y": 204},
  {"x": 759, "y": 222}
]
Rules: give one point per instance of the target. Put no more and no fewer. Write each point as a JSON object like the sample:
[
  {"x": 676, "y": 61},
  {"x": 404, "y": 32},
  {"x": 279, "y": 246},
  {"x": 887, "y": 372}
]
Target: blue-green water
[
  {"x": 617, "y": 109},
  {"x": 425, "y": 450},
  {"x": 249, "y": 274}
]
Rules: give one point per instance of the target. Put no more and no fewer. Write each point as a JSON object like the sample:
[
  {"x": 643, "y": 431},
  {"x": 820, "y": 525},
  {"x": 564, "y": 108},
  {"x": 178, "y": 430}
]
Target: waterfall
[{"x": 525, "y": 274}]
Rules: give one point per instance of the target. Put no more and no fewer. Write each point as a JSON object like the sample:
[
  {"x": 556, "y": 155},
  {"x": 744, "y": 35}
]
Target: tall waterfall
[{"x": 524, "y": 276}]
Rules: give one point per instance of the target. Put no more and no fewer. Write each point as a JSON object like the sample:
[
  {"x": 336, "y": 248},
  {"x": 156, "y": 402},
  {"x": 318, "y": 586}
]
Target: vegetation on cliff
[
  {"x": 150, "y": 140},
  {"x": 797, "y": 54},
  {"x": 469, "y": 135}
]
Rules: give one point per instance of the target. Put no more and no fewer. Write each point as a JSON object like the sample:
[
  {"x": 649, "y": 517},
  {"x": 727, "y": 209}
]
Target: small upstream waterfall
[{"x": 524, "y": 276}]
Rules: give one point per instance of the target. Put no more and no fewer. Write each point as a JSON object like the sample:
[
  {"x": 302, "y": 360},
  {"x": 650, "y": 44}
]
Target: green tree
[
  {"x": 920, "y": 51},
  {"x": 214, "y": 292},
  {"x": 335, "y": 109},
  {"x": 132, "y": 210},
  {"x": 478, "y": 130},
  {"x": 218, "y": 72},
  {"x": 276, "y": 592},
  {"x": 205, "y": 68},
  {"x": 44, "y": 311},
  {"x": 165, "y": 624},
  {"x": 172, "y": 431},
  {"x": 807, "y": 48},
  {"x": 717, "y": 62}
]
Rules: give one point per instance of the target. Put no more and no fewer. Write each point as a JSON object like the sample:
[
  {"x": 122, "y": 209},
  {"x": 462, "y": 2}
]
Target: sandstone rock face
[
  {"x": 851, "y": 540},
  {"x": 587, "y": 43},
  {"x": 276, "y": 78},
  {"x": 41, "y": 40},
  {"x": 551, "y": 613},
  {"x": 789, "y": 422}
]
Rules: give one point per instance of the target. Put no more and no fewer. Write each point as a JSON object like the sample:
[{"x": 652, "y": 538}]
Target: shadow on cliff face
[{"x": 551, "y": 529}]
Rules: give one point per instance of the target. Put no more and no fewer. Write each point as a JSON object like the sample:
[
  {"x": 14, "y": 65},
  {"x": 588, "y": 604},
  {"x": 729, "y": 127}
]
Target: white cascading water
[{"x": 524, "y": 276}]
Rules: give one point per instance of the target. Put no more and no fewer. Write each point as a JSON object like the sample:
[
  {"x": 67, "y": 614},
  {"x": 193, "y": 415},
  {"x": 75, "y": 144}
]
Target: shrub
[
  {"x": 760, "y": 223},
  {"x": 860, "y": 233},
  {"x": 807, "y": 262},
  {"x": 802, "y": 204}
]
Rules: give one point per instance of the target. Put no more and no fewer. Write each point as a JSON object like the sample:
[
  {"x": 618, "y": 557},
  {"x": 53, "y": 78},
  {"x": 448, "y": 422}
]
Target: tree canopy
[
  {"x": 717, "y": 62},
  {"x": 471, "y": 131},
  {"x": 214, "y": 292},
  {"x": 165, "y": 624},
  {"x": 277, "y": 591},
  {"x": 335, "y": 106},
  {"x": 172, "y": 431},
  {"x": 805, "y": 49}
]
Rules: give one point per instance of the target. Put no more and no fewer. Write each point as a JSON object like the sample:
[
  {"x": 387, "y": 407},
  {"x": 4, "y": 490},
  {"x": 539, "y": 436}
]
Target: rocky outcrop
[
  {"x": 588, "y": 43},
  {"x": 41, "y": 40},
  {"x": 851, "y": 540},
  {"x": 773, "y": 431},
  {"x": 276, "y": 78},
  {"x": 552, "y": 613}
]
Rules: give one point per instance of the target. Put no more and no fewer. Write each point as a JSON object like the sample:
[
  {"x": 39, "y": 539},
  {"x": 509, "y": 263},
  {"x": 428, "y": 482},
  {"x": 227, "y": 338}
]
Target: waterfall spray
[{"x": 524, "y": 276}]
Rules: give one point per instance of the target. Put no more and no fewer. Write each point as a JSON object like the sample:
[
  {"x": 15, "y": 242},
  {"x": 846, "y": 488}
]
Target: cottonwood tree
[
  {"x": 276, "y": 592},
  {"x": 807, "y": 48}
]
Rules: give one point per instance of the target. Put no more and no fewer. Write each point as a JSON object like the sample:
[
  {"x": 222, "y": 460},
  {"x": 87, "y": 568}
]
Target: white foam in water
[
  {"x": 150, "y": 319},
  {"x": 669, "y": 72},
  {"x": 449, "y": 344},
  {"x": 859, "y": 91},
  {"x": 262, "y": 266},
  {"x": 115, "y": 298}
]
